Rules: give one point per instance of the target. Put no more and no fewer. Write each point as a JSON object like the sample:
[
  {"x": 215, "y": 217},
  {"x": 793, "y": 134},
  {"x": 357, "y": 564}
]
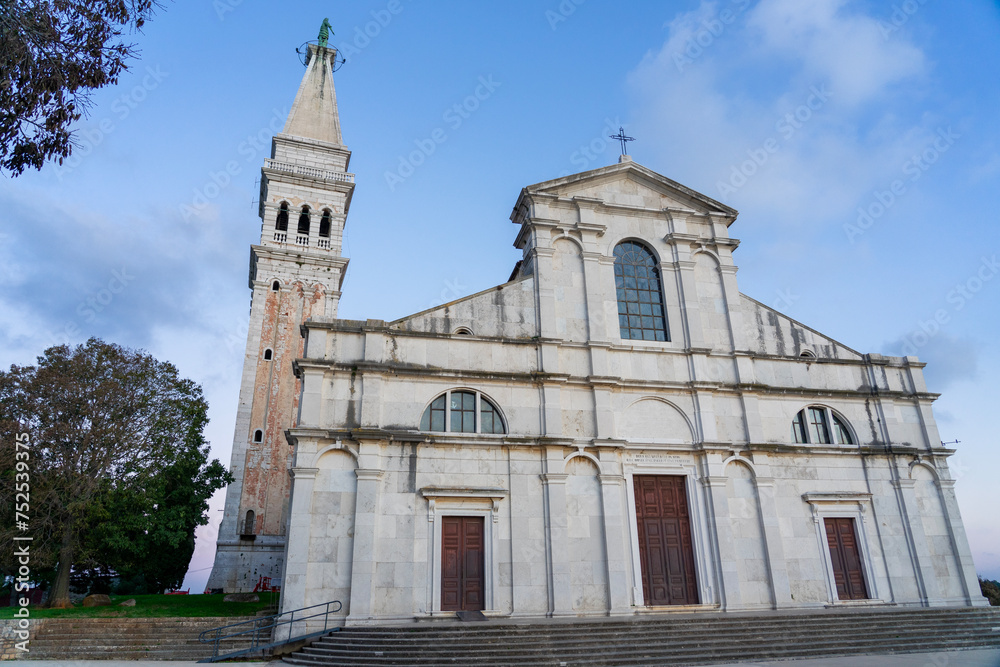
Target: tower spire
[{"x": 314, "y": 113}]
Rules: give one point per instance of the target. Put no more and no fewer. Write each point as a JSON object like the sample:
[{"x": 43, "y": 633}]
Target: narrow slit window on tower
[
  {"x": 304, "y": 221},
  {"x": 249, "y": 527},
  {"x": 267, "y": 354},
  {"x": 258, "y": 436},
  {"x": 324, "y": 224},
  {"x": 281, "y": 224},
  {"x": 275, "y": 286}
]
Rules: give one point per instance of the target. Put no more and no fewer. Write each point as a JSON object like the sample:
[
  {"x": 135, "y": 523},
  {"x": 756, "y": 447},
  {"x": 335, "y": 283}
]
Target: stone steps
[
  {"x": 668, "y": 639},
  {"x": 125, "y": 638}
]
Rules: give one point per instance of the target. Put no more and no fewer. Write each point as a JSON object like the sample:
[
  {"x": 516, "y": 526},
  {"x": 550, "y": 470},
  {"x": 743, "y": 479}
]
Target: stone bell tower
[{"x": 296, "y": 272}]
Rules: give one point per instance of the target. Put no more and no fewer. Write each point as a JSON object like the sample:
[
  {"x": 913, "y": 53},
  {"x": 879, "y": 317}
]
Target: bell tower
[{"x": 296, "y": 272}]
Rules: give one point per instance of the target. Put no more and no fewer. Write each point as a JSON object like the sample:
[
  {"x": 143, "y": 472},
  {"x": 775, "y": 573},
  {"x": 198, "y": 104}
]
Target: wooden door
[
  {"x": 665, "y": 551},
  {"x": 462, "y": 563},
  {"x": 848, "y": 574}
]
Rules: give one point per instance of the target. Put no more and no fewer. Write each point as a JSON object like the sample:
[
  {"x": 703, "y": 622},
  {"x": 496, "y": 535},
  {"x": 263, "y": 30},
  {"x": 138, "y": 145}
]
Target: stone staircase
[
  {"x": 124, "y": 638},
  {"x": 660, "y": 640}
]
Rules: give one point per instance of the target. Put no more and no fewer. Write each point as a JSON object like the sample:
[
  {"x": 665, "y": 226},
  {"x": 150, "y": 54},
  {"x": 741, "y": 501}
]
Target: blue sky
[{"x": 858, "y": 140}]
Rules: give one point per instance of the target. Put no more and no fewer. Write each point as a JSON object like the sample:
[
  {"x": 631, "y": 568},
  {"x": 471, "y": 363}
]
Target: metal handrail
[{"x": 268, "y": 624}]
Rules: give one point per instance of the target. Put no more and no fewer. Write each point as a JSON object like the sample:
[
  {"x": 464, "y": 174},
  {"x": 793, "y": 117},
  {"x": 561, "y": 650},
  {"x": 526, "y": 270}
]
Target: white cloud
[
  {"x": 784, "y": 108},
  {"x": 851, "y": 51}
]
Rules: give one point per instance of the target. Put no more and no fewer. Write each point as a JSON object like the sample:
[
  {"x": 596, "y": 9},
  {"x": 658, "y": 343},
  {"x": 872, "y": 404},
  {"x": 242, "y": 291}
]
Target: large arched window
[
  {"x": 304, "y": 221},
  {"x": 813, "y": 426},
  {"x": 281, "y": 224},
  {"x": 462, "y": 411},
  {"x": 640, "y": 297}
]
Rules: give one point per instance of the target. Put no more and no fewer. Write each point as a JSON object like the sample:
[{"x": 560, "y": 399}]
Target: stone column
[
  {"x": 295, "y": 583},
  {"x": 365, "y": 529}
]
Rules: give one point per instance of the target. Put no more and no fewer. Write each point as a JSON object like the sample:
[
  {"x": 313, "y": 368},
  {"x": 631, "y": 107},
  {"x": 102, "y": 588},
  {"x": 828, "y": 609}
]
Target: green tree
[
  {"x": 991, "y": 590},
  {"x": 156, "y": 541},
  {"x": 53, "y": 54},
  {"x": 119, "y": 471}
]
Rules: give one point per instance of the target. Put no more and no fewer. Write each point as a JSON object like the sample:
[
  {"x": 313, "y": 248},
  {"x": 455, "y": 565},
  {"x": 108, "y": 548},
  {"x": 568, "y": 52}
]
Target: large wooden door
[
  {"x": 665, "y": 551},
  {"x": 848, "y": 574},
  {"x": 462, "y": 562}
]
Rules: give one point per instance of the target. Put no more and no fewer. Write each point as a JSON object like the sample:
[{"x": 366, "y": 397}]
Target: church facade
[{"x": 615, "y": 429}]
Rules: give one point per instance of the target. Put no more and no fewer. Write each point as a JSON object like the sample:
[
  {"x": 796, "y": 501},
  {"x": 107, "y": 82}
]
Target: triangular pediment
[{"x": 631, "y": 184}]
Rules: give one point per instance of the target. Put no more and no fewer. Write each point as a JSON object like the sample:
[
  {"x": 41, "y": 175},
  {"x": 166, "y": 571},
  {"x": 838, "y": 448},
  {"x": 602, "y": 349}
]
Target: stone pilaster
[
  {"x": 295, "y": 583},
  {"x": 560, "y": 591},
  {"x": 365, "y": 533}
]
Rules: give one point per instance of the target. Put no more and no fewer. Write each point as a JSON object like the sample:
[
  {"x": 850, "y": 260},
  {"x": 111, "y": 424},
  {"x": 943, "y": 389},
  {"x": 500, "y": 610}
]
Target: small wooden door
[
  {"x": 665, "y": 551},
  {"x": 462, "y": 563},
  {"x": 848, "y": 574}
]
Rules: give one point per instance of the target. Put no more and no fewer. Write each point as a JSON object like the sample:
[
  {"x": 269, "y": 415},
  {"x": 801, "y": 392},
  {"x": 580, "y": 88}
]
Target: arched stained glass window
[
  {"x": 462, "y": 411},
  {"x": 640, "y": 297}
]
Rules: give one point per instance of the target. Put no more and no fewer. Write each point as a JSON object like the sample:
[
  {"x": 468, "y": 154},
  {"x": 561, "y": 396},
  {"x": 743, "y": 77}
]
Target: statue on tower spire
[{"x": 324, "y": 32}]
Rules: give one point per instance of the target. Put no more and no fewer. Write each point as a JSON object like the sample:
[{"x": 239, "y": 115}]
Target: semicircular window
[
  {"x": 813, "y": 426},
  {"x": 462, "y": 411},
  {"x": 640, "y": 296}
]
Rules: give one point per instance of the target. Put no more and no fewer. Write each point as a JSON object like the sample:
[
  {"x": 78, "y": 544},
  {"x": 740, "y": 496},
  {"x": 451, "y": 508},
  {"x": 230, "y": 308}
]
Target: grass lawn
[{"x": 147, "y": 606}]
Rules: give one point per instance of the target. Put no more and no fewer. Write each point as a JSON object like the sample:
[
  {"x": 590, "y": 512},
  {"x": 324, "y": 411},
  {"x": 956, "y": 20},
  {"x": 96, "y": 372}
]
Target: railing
[
  {"x": 312, "y": 172},
  {"x": 265, "y": 626},
  {"x": 282, "y": 237}
]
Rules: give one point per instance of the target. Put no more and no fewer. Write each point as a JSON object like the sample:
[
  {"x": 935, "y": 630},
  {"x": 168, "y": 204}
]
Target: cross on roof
[{"x": 622, "y": 137}]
